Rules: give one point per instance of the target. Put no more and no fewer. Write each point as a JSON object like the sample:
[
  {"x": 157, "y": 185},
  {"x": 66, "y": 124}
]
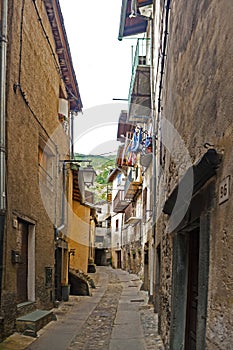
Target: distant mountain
[{"x": 103, "y": 166}]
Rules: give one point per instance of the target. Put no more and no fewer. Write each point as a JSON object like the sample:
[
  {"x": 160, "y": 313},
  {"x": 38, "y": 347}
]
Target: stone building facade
[
  {"x": 37, "y": 72},
  {"x": 191, "y": 105},
  {"x": 194, "y": 174}
]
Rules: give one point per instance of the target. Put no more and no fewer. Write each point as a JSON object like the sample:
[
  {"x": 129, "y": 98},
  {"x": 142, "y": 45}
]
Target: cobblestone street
[{"x": 116, "y": 317}]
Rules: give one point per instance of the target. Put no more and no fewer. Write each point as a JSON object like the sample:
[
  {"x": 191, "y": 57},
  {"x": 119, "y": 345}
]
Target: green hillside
[{"x": 102, "y": 165}]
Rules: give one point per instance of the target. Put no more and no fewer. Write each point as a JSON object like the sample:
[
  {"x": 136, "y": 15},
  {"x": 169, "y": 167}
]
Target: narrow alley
[
  {"x": 116, "y": 175},
  {"x": 116, "y": 316}
]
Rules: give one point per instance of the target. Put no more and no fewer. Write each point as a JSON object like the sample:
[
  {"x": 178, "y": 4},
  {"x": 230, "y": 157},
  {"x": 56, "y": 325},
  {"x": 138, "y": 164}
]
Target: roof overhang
[
  {"x": 133, "y": 220},
  {"x": 64, "y": 55},
  {"x": 113, "y": 175},
  {"x": 132, "y": 25}
]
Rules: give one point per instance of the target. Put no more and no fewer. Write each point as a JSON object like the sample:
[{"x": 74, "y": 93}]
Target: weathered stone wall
[
  {"x": 31, "y": 66},
  {"x": 197, "y": 101},
  {"x": 133, "y": 258}
]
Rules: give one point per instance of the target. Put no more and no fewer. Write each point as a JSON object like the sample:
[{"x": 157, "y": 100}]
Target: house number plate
[{"x": 224, "y": 190}]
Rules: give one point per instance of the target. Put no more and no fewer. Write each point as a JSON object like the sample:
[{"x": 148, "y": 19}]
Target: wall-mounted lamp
[{"x": 87, "y": 175}]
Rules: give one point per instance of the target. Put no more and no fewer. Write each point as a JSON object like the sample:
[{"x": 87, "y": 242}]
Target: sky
[{"x": 102, "y": 66}]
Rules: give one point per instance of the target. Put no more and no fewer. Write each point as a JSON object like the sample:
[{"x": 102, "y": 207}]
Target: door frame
[
  {"x": 31, "y": 260},
  {"x": 180, "y": 283}
]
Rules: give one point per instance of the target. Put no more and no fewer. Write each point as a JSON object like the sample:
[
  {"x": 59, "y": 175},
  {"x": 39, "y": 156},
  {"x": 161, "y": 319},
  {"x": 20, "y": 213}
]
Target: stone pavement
[{"x": 116, "y": 317}]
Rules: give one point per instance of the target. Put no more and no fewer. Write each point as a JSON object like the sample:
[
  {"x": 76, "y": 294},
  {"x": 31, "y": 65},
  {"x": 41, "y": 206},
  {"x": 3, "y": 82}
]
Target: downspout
[
  {"x": 3, "y": 59},
  {"x": 152, "y": 88},
  {"x": 154, "y": 169},
  {"x": 62, "y": 225},
  {"x": 72, "y": 134}
]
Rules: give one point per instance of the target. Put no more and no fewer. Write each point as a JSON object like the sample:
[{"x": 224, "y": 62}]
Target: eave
[
  {"x": 113, "y": 175},
  {"x": 135, "y": 25},
  {"x": 63, "y": 52}
]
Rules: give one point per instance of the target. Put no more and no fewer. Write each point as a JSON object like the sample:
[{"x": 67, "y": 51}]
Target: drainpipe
[
  {"x": 57, "y": 229},
  {"x": 3, "y": 57},
  {"x": 3, "y": 107},
  {"x": 152, "y": 270},
  {"x": 72, "y": 134},
  {"x": 152, "y": 87}
]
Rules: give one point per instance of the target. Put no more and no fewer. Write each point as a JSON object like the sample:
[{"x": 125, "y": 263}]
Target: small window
[
  {"x": 117, "y": 225},
  {"x": 118, "y": 179},
  {"x": 46, "y": 164},
  {"x": 145, "y": 204}
]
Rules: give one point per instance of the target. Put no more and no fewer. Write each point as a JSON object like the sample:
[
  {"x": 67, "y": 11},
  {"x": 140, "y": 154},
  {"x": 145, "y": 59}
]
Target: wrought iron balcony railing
[{"x": 139, "y": 91}]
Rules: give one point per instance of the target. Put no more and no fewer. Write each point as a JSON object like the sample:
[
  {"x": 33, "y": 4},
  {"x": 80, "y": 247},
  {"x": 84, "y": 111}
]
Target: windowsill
[{"x": 26, "y": 303}]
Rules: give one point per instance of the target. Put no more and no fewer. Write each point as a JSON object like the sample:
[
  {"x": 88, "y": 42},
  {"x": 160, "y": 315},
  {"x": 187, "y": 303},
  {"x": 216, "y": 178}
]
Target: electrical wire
[{"x": 21, "y": 42}]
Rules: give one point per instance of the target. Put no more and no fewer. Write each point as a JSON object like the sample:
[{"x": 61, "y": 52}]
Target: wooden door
[
  {"x": 192, "y": 291},
  {"x": 119, "y": 259},
  {"x": 58, "y": 274},
  {"x": 22, "y": 266}
]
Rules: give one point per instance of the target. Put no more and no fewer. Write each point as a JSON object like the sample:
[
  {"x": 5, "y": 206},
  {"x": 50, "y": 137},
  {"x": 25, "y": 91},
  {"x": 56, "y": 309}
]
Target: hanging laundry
[
  {"x": 148, "y": 141},
  {"x": 132, "y": 159},
  {"x": 137, "y": 140},
  {"x": 125, "y": 152}
]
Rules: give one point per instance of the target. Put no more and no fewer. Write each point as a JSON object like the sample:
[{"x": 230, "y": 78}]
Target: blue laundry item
[
  {"x": 137, "y": 140},
  {"x": 148, "y": 141}
]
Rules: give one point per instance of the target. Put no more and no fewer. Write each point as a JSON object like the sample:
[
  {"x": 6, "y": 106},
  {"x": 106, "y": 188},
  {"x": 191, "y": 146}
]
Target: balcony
[
  {"x": 140, "y": 91},
  {"x": 119, "y": 202},
  {"x": 133, "y": 183},
  {"x": 130, "y": 215}
]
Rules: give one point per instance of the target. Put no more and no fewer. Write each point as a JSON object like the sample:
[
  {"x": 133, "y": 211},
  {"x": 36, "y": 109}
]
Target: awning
[
  {"x": 202, "y": 171},
  {"x": 134, "y": 25}
]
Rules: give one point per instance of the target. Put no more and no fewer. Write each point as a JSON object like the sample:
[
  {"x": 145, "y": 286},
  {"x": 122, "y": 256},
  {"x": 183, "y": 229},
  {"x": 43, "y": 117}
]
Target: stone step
[{"x": 30, "y": 323}]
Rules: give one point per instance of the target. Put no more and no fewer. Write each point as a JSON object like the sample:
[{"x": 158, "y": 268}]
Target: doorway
[
  {"x": 192, "y": 290},
  {"x": 58, "y": 274},
  {"x": 22, "y": 267},
  {"x": 118, "y": 259}
]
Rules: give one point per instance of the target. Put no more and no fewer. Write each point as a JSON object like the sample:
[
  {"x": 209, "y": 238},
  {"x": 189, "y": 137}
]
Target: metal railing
[
  {"x": 133, "y": 178},
  {"x": 141, "y": 57}
]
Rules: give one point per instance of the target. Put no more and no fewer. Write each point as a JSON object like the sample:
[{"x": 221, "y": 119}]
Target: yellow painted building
[{"x": 81, "y": 226}]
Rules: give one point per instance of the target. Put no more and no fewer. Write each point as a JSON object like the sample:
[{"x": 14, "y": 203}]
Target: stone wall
[
  {"x": 33, "y": 87},
  {"x": 197, "y": 101}
]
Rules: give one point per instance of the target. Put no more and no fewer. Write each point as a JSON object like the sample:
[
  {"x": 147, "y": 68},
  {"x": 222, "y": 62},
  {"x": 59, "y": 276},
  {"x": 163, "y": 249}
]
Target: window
[
  {"x": 144, "y": 208},
  {"x": 118, "y": 179},
  {"x": 46, "y": 164}
]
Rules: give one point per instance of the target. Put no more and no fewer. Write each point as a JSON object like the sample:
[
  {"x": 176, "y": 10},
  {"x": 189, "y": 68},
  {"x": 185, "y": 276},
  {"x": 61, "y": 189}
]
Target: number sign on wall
[{"x": 224, "y": 190}]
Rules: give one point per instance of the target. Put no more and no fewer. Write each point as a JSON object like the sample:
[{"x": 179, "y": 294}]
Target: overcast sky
[{"x": 103, "y": 69}]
